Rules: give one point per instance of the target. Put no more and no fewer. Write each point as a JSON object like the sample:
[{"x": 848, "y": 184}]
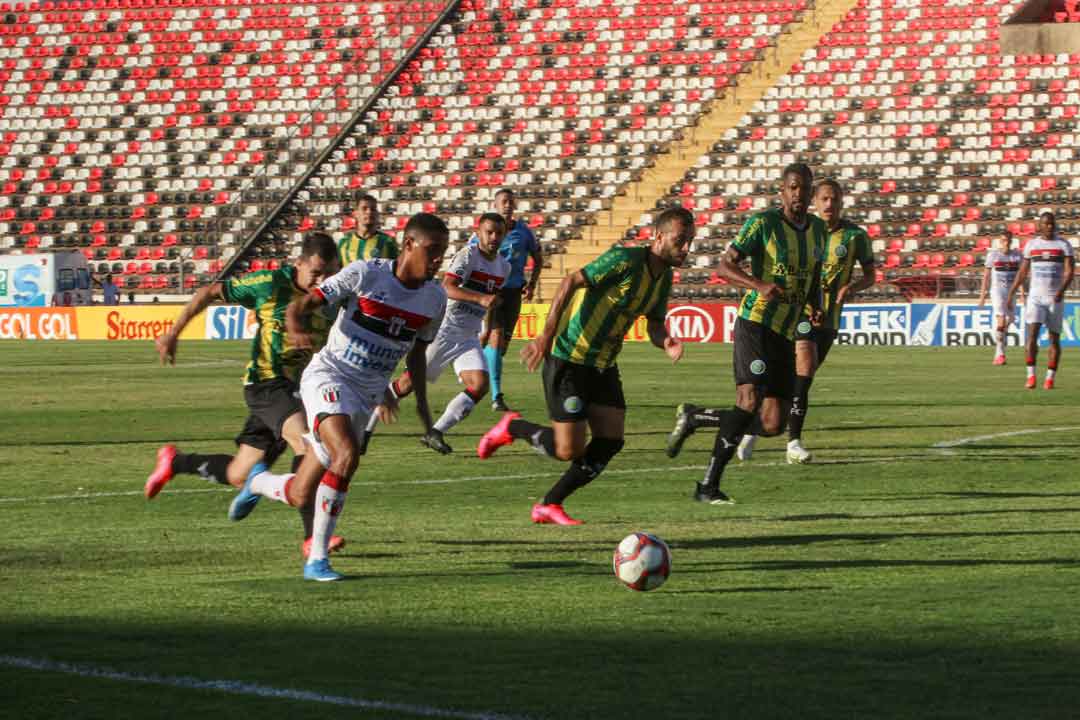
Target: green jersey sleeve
[
  {"x": 249, "y": 290},
  {"x": 609, "y": 268},
  {"x": 751, "y": 239},
  {"x": 864, "y": 251}
]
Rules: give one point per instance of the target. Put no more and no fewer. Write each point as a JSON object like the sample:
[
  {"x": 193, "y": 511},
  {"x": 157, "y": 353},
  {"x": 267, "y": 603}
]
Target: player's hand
[
  {"x": 527, "y": 291},
  {"x": 982, "y": 300},
  {"x": 674, "y": 348},
  {"x": 770, "y": 291},
  {"x": 166, "y": 348},
  {"x": 533, "y": 353},
  {"x": 301, "y": 340},
  {"x": 817, "y": 318},
  {"x": 387, "y": 410},
  {"x": 1059, "y": 295}
]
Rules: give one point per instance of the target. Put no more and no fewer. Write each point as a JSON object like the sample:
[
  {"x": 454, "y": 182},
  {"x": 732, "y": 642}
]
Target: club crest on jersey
[
  {"x": 573, "y": 404},
  {"x": 841, "y": 251},
  {"x": 758, "y": 367},
  {"x": 330, "y": 394},
  {"x": 803, "y": 328}
]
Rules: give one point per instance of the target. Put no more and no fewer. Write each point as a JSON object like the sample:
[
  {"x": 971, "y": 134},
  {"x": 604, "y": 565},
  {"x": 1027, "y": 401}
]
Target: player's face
[
  {"x": 312, "y": 270},
  {"x": 489, "y": 235},
  {"x": 795, "y": 193},
  {"x": 1047, "y": 226},
  {"x": 423, "y": 255},
  {"x": 505, "y": 205},
  {"x": 367, "y": 215},
  {"x": 828, "y": 203},
  {"x": 673, "y": 242},
  {"x": 1005, "y": 243}
]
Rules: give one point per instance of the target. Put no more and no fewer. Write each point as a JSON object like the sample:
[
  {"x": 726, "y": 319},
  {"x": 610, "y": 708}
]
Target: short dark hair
[
  {"x": 829, "y": 182},
  {"x": 428, "y": 224},
  {"x": 319, "y": 243},
  {"x": 504, "y": 191},
  {"x": 367, "y": 198},
  {"x": 1046, "y": 213},
  {"x": 670, "y": 215},
  {"x": 801, "y": 169},
  {"x": 492, "y": 217}
]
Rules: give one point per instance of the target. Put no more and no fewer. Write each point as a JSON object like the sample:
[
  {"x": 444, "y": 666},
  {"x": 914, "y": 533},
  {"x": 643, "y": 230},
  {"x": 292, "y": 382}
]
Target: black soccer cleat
[
  {"x": 684, "y": 428},
  {"x": 498, "y": 404},
  {"x": 712, "y": 495},
  {"x": 434, "y": 440}
]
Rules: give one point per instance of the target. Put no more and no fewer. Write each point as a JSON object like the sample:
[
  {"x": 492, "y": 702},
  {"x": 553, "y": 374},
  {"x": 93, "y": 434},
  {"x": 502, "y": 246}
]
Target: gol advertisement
[
  {"x": 116, "y": 322},
  {"x": 27, "y": 323}
]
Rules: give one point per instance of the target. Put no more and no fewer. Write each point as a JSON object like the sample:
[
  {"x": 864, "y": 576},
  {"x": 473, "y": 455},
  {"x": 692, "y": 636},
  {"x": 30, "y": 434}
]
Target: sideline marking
[
  {"x": 944, "y": 447},
  {"x": 234, "y": 687}
]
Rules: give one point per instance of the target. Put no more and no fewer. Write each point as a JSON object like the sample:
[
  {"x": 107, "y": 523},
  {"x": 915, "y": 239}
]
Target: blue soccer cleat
[
  {"x": 245, "y": 500},
  {"x": 320, "y": 571}
]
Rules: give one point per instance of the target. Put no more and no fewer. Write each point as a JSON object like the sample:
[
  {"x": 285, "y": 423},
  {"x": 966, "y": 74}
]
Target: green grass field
[{"x": 889, "y": 579}]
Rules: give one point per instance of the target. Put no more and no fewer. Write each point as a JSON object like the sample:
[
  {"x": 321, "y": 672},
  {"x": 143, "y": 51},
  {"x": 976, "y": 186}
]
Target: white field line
[
  {"x": 945, "y": 446},
  {"x": 150, "y": 365},
  {"x": 234, "y": 687}
]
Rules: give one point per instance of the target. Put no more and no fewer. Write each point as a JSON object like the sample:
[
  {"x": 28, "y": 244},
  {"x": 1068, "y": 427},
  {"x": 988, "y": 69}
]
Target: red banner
[{"x": 702, "y": 323}]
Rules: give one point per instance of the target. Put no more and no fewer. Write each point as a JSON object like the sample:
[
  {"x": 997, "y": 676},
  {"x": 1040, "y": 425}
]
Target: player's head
[
  {"x": 796, "y": 187},
  {"x": 489, "y": 232},
  {"x": 1005, "y": 241},
  {"x": 318, "y": 260},
  {"x": 505, "y": 204},
  {"x": 426, "y": 238},
  {"x": 1048, "y": 225},
  {"x": 673, "y": 231},
  {"x": 828, "y": 200},
  {"x": 367, "y": 212},
  {"x": 108, "y": 278}
]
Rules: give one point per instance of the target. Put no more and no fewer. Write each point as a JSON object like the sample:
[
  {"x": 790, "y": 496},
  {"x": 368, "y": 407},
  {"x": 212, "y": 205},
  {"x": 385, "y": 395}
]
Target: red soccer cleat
[
  {"x": 336, "y": 543},
  {"x": 1049, "y": 384},
  {"x": 1030, "y": 384},
  {"x": 162, "y": 471},
  {"x": 497, "y": 436},
  {"x": 999, "y": 359},
  {"x": 552, "y": 515}
]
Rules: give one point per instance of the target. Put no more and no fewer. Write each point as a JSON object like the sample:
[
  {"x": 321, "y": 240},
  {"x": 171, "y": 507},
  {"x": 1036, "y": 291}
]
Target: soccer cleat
[
  {"x": 552, "y": 515},
  {"x": 797, "y": 454},
  {"x": 497, "y": 436},
  {"x": 1030, "y": 384},
  {"x": 162, "y": 471},
  {"x": 746, "y": 447},
  {"x": 498, "y": 404},
  {"x": 999, "y": 359},
  {"x": 1048, "y": 384},
  {"x": 336, "y": 543},
  {"x": 320, "y": 571},
  {"x": 246, "y": 500},
  {"x": 712, "y": 495},
  {"x": 684, "y": 428},
  {"x": 434, "y": 440}
]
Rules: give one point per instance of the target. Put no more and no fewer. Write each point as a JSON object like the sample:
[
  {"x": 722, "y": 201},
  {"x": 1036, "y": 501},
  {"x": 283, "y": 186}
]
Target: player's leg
[
  {"x": 1031, "y": 351},
  {"x": 566, "y": 407},
  {"x": 1001, "y": 329},
  {"x": 806, "y": 362},
  {"x": 734, "y": 422},
  {"x": 400, "y": 388},
  {"x": 336, "y": 434},
  {"x": 1054, "y": 321},
  {"x": 504, "y": 321}
]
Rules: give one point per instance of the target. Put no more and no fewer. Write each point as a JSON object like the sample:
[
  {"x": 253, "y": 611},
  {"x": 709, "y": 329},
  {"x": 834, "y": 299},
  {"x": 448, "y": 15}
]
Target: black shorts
[
  {"x": 570, "y": 389},
  {"x": 270, "y": 403},
  {"x": 506, "y": 313},
  {"x": 822, "y": 337},
  {"x": 764, "y": 359}
]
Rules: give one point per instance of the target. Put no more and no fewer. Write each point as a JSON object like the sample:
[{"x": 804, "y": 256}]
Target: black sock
[
  {"x": 799, "y": 405},
  {"x": 733, "y": 425},
  {"x": 540, "y": 437},
  {"x": 584, "y": 470},
  {"x": 209, "y": 467},
  {"x": 703, "y": 417}
]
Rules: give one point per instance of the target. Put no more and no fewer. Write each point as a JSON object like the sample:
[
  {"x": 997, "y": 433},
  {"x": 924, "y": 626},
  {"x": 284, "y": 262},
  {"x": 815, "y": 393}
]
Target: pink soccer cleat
[
  {"x": 552, "y": 515},
  {"x": 1049, "y": 384},
  {"x": 1030, "y": 384},
  {"x": 497, "y": 436},
  {"x": 162, "y": 471},
  {"x": 336, "y": 543},
  {"x": 999, "y": 359}
]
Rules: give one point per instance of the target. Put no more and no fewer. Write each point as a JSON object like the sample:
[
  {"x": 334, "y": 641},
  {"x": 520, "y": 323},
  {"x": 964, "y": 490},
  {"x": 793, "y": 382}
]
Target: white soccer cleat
[
  {"x": 797, "y": 454},
  {"x": 746, "y": 447}
]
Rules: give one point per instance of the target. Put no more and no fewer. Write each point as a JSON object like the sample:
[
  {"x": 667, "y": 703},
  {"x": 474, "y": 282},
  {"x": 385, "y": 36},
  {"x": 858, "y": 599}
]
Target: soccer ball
[{"x": 642, "y": 561}]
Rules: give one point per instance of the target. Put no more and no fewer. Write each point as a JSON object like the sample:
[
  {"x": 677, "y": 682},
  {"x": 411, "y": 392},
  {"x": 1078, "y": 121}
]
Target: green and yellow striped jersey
[
  {"x": 353, "y": 247},
  {"x": 844, "y": 245},
  {"x": 621, "y": 288},
  {"x": 268, "y": 293},
  {"x": 785, "y": 256}
]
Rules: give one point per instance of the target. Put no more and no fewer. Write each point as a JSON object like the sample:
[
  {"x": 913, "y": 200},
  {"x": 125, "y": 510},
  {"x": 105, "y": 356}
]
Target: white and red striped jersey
[
  {"x": 1003, "y": 268},
  {"x": 1047, "y": 264},
  {"x": 472, "y": 271},
  {"x": 378, "y": 322}
]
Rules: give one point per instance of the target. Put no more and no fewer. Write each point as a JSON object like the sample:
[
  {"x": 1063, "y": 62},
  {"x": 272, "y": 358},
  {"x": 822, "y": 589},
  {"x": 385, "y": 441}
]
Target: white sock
[
  {"x": 456, "y": 410},
  {"x": 1001, "y": 343},
  {"x": 1031, "y": 371},
  {"x": 328, "y": 505},
  {"x": 794, "y": 443},
  {"x": 272, "y": 486},
  {"x": 1050, "y": 374},
  {"x": 372, "y": 422},
  {"x": 748, "y": 440}
]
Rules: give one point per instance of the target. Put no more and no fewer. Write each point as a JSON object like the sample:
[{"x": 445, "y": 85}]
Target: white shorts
[
  {"x": 1044, "y": 311},
  {"x": 323, "y": 393},
  {"x": 1001, "y": 304},
  {"x": 464, "y": 352}
]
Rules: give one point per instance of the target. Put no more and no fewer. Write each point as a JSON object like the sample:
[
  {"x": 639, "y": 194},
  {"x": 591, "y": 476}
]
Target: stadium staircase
[{"x": 641, "y": 196}]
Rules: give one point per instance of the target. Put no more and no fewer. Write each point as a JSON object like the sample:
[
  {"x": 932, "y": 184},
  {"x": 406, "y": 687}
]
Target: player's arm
[
  {"x": 416, "y": 364},
  {"x": 204, "y": 297},
  {"x": 729, "y": 270},
  {"x": 865, "y": 281},
  {"x": 1066, "y": 279},
  {"x": 661, "y": 338},
  {"x": 984, "y": 288},
  {"x": 535, "y": 351},
  {"x": 1021, "y": 275},
  {"x": 297, "y": 314},
  {"x": 538, "y": 265},
  {"x": 452, "y": 285}
]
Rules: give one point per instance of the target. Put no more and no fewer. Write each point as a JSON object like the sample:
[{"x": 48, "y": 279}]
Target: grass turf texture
[{"x": 888, "y": 580}]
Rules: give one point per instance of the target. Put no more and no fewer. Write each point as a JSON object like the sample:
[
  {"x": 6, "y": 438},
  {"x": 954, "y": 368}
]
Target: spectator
[{"x": 112, "y": 293}]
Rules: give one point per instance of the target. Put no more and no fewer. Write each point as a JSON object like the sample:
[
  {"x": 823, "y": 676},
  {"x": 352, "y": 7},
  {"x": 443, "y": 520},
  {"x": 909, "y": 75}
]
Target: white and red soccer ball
[{"x": 642, "y": 561}]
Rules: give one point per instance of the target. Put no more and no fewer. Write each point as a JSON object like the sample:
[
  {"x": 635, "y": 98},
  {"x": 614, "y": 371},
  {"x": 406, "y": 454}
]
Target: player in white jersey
[
  {"x": 1048, "y": 259},
  {"x": 472, "y": 284},
  {"x": 1002, "y": 265},
  {"x": 389, "y": 310}
]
